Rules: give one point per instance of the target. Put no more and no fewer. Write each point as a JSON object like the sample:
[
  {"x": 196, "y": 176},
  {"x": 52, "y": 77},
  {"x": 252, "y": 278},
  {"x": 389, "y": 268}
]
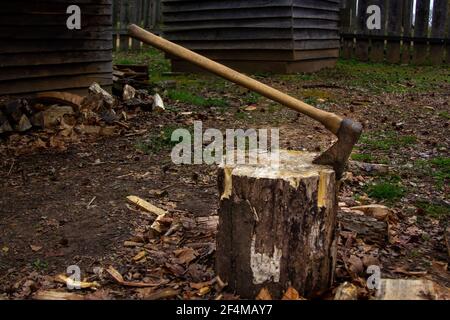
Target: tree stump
[{"x": 277, "y": 227}]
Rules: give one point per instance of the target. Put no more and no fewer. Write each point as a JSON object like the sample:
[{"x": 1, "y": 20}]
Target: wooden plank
[
  {"x": 40, "y": 71},
  {"x": 407, "y": 22},
  {"x": 134, "y": 18},
  {"x": 124, "y": 39},
  {"x": 348, "y": 45},
  {"x": 447, "y": 57},
  {"x": 54, "y": 83},
  {"x": 362, "y": 45},
  {"x": 438, "y": 31},
  {"x": 420, "y": 49},
  {"x": 377, "y": 45},
  {"x": 50, "y": 58},
  {"x": 393, "y": 50}
]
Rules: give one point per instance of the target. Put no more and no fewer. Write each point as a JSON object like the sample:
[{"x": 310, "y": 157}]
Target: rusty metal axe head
[{"x": 337, "y": 156}]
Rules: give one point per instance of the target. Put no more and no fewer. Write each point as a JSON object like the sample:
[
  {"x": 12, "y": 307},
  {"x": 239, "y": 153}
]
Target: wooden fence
[
  {"x": 145, "y": 13},
  {"x": 408, "y": 35}
]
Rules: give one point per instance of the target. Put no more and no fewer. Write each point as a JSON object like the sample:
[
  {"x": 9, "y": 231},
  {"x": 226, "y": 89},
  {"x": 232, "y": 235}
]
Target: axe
[{"x": 346, "y": 130}]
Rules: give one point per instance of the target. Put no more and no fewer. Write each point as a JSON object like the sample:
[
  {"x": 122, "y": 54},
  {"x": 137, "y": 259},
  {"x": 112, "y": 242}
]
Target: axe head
[{"x": 337, "y": 156}]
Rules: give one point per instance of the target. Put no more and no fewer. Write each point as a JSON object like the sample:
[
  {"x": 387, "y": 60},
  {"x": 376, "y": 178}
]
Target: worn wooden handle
[{"x": 331, "y": 121}]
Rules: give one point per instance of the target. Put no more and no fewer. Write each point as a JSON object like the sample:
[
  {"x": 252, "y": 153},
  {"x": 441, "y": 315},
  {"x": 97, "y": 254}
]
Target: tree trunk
[{"x": 277, "y": 227}]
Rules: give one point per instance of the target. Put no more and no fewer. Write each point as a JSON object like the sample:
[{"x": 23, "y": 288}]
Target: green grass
[
  {"x": 389, "y": 189},
  {"x": 40, "y": 265},
  {"x": 385, "y": 140},
  {"x": 188, "y": 97},
  {"x": 362, "y": 157},
  {"x": 379, "y": 77},
  {"x": 444, "y": 115},
  {"x": 159, "y": 142},
  {"x": 374, "y": 77},
  {"x": 438, "y": 168},
  {"x": 436, "y": 211}
]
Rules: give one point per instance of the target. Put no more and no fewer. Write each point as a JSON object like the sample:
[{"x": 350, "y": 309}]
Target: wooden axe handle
[{"x": 331, "y": 121}]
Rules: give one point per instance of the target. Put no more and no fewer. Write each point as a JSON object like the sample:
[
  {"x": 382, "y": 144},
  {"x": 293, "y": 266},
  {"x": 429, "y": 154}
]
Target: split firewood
[
  {"x": 367, "y": 228},
  {"x": 63, "y": 98},
  {"x": 5, "y": 126},
  {"x": 379, "y": 212},
  {"x": 158, "y": 104},
  {"x": 23, "y": 124},
  {"x": 128, "y": 92},
  {"x": 51, "y": 116},
  {"x": 95, "y": 88}
]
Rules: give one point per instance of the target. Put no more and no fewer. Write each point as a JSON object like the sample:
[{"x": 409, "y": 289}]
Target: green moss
[{"x": 437, "y": 211}]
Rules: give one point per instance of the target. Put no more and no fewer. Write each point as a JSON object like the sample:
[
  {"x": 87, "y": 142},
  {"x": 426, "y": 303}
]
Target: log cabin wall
[
  {"x": 39, "y": 53},
  {"x": 279, "y": 36}
]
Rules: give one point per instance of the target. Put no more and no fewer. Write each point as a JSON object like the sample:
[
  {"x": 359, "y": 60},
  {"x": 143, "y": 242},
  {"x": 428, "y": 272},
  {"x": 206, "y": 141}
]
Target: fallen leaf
[
  {"x": 162, "y": 294},
  {"x": 264, "y": 295},
  {"x": 185, "y": 256},
  {"x": 35, "y": 248},
  {"x": 119, "y": 279},
  {"x": 291, "y": 294}
]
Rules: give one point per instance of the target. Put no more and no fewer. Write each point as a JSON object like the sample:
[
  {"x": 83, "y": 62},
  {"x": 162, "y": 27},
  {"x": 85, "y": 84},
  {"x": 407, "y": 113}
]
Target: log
[
  {"x": 367, "y": 228},
  {"x": 277, "y": 227},
  {"x": 51, "y": 116}
]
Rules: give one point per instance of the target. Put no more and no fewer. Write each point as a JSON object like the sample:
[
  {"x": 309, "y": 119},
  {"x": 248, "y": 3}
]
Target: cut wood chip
[
  {"x": 147, "y": 206},
  {"x": 346, "y": 291},
  {"x": 57, "y": 295},
  {"x": 264, "y": 295},
  {"x": 120, "y": 280},
  {"x": 76, "y": 284},
  {"x": 398, "y": 289},
  {"x": 141, "y": 255}
]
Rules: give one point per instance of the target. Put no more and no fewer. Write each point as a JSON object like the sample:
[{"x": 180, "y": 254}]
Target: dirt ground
[{"x": 66, "y": 205}]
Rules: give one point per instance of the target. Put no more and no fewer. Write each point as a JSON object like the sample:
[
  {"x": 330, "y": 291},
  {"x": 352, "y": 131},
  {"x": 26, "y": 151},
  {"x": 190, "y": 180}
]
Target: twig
[
  {"x": 12, "y": 166},
  {"x": 89, "y": 204}
]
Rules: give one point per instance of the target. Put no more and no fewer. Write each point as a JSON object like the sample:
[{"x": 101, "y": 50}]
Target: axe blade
[{"x": 337, "y": 156}]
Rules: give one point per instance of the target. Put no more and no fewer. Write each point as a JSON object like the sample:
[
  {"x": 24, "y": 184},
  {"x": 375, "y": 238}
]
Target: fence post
[
  {"x": 438, "y": 31},
  {"x": 407, "y": 22},
  {"x": 377, "y": 45},
  {"x": 420, "y": 52},
  {"x": 362, "y": 43},
  {"x": 395, "y": 10}
]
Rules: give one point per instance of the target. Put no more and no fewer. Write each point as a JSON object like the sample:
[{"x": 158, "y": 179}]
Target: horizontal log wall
[
  {"x": 39, "y": 52},
  {"x": 412, "y": 32},
  {"x": 280, "y": 36}
]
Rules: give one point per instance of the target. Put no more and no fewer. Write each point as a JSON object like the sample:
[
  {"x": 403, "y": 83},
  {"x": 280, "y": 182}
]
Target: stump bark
[{"x": 277, "y": 227}]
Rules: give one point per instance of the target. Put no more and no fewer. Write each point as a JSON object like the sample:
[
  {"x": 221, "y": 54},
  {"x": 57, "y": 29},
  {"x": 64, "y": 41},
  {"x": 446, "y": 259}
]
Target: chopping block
[{"x": 277, "y": 226}]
